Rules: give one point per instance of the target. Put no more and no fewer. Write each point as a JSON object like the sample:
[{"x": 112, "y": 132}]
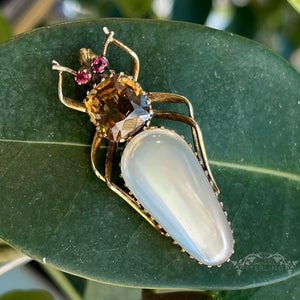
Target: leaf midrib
[
  {"x": 45, "y": 143},
  {"x": 248, "y": 168},
  {"x": 255, "y": 169}
]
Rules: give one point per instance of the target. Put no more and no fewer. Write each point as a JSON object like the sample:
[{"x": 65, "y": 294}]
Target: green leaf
[
  {"x": 284, "y": 290},
  {"x": 54, "y": 209},
  {"x": 134, "y": 8},
  {"x": 100, "y": 291},
  {"x": 64, "y": 283},
  {"x": 7, "y": 253},
  {"x": 96, "y": 290},
  {"x": 5, "y": 30},
  {"x": 191, "y": 11},
  {"x": 295, "y": 4},
  {"x": 27, "y": 295}
]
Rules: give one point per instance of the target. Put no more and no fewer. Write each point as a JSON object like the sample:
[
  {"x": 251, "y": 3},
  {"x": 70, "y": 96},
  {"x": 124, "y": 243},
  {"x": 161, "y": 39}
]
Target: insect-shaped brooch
[{"x": 167, "y": 182}]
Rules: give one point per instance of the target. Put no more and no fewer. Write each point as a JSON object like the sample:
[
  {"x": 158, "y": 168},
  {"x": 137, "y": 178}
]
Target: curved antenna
[
  {"x": 135, "y": 64},
  {"x": 109, "y": 39}
]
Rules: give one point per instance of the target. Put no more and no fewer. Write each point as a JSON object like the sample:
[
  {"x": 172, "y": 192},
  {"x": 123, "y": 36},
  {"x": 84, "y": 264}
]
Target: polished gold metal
[
  {"x": 71, "y": 103},
  {"x": 135, "y": 63},
  {"x": 153, "y": 97}
]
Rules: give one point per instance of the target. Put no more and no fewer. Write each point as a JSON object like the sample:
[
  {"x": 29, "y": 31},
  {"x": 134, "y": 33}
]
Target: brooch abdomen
[{"x": 167, "y": 179}]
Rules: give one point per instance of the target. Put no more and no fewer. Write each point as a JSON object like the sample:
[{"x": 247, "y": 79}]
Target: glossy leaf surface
[{"x": 54, "y": 209}]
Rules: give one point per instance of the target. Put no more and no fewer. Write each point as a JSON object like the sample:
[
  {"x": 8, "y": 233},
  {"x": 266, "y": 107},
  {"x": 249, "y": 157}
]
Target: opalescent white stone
[{"x": 165, "y": 176}]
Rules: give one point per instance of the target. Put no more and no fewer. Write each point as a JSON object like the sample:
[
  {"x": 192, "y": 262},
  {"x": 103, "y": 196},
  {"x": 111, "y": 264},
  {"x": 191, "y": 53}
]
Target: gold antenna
[{"x": 109, "y": 39}]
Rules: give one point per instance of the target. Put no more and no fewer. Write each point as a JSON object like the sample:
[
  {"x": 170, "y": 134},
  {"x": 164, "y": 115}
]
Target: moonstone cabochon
[{"x": 165, "y": 176}]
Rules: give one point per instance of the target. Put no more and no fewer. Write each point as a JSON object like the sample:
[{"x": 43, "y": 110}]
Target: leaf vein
[
  {"x": 255, "y": 169},
  {"x": 249, "y": 168}
]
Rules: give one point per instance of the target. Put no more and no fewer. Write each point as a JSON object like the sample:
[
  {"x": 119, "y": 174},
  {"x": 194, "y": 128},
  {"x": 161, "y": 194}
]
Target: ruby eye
[
  {"x": 99, "y": 64},
  {"x": 82, "y": 77}
]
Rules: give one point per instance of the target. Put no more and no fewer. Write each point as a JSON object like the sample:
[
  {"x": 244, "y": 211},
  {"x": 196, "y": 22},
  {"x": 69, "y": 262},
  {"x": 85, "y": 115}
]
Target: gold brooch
[{"x": 167, "y": 182}]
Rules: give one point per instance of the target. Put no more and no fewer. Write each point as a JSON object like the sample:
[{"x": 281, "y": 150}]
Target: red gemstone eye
[
  {"x": 99, "y": 64},
  {"x": 83, "y": 77}
]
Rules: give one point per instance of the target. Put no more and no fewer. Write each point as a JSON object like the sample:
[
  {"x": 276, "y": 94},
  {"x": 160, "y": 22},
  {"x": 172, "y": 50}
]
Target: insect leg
[
  {"x": 71, "y": 103},
  {"x": 112, "y": 146},
  {"x": 135, "y": 63},
  {"x": 157, "y": 97},
  {"x": 95, "y": 148},
  {"x": 197, "y": 134}
]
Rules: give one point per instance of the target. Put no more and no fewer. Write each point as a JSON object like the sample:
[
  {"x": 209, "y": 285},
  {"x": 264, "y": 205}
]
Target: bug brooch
[{"x": 167, "y": 182}]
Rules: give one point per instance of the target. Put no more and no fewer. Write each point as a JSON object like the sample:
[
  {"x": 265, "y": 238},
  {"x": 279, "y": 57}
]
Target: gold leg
[
  {"x": 135, "y": 63},
  {"x": 197, "y": 137},
  {"x": 157, "y": 97},
  {"x": 71, "y": 103},
  {"x": 112, "y": 146},
  {"x": 95, "y": 148}
]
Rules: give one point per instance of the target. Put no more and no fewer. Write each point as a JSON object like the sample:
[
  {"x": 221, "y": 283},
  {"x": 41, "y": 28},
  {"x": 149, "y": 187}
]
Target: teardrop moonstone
[{"x": 165, "y": 176}]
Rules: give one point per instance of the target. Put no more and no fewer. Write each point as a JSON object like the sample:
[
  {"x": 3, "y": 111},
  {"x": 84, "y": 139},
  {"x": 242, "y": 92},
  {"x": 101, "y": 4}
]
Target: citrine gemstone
[{"x": 118, "y": 106}]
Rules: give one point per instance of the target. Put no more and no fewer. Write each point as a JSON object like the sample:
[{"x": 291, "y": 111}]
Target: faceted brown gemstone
[{"x": 118, "y": 106}]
